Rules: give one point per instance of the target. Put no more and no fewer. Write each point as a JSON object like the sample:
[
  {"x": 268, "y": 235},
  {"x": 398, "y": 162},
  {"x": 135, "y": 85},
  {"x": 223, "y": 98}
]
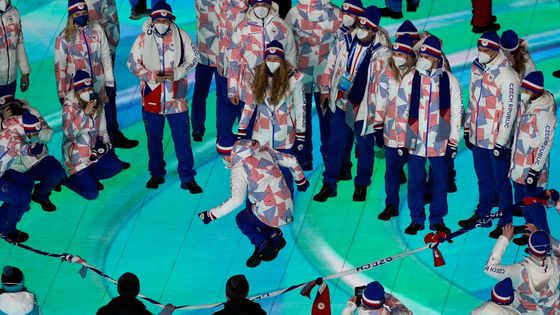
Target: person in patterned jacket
[
  {"x": 86, "y": 146},
  {"x": 16, "y": 188},
  {"x": 27, "y": 124},
  {"x": 279, "y": 104},
  {"x": 248, "y": 43},
  {"x": 161, "y": 58},
  {"x": 488, "y": 126},
  {"x": 255, "y": 170},
  {"x": 502, "y": 297},
  {"x": 13, "y": 54},
  {"x": 230, "y": 13},
  {"x": 517, "y": 50},
  {"x": 394, "y": 127},
  {"x": 207, "y": 39},
  {"x": 351, "y": 79},
  {"x": 315, "y": 24},
  {"x": 530, "y": 152},
  {"x": 433, "y": 117},
  {"x": 536, "y": 278},
  {"x": 82, "y": 45},
  {"x": 104, "y": 12}
]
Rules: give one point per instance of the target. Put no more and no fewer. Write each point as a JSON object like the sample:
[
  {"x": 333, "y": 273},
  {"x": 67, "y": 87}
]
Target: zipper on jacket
[
  {"x": 88, "y": 53},
  {"x": 477, "y": 109},
  {"x": 428, "y": 120},
  {"x": 7, "y": 48},
  {"x": 163, "y": 69}
]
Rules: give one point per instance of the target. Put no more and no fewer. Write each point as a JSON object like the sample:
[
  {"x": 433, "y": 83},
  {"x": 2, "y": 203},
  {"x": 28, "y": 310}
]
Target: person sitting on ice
[
  {"x": 255, "y": 170},
  {"x": 500, "y": 304},
  {"x": 14, "y": 297},
  {"x": 536, "y": 278},
  {"x": 374, "y": 301}
]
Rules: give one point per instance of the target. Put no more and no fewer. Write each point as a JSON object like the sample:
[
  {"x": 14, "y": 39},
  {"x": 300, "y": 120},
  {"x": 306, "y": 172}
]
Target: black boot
[
  {"x": 389, "y": 212},
  {"x": 265, "y": 250},
  {"x": 123, "y": 142},
  {"x": 411, "y": 7},
  {"x": 440, "y": 227},
  {"x": 99, "y": 186},
  {"x": 324, "y": 194},
  {"x": 556, "y": 73},
  {"x": 277, "y": 243},
  {"x": 46, "y": 205},
  {"x": 413, "y": 228},
  {"x": 360, "y": 193},
  {"x": 17, "y": 236},
  {"x": 496, "y": 232},
  {"x": 522, "y": 240},
  {"x": 386, "y": 12},
  {"x": 192, "y": 186},
  {"x": 472, "y": 221},
  {"x": 197, "y": 136},
  {"x": 154, "y": 182}
]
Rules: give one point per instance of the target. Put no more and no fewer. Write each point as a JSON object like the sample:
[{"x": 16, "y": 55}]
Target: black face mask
[{"x": 81, "y": 21}]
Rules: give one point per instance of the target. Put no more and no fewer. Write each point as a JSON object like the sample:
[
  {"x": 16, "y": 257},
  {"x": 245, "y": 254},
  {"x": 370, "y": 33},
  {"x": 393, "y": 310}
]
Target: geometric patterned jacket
[
  {"x": 104, "y": 12},
  {"x": 493, "y": 102},
  {"x": 315, "y": 24},
  {"x": 12, "y": 49},
  {"x": 534, "y": 135},
  {"x": 207, "y": 29},
  {"x": 255, "y": 171},
  {"x": 229, "y": 14}
]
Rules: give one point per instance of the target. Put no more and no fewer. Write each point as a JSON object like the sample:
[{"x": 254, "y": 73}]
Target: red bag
[{"x": 151, "y": 99}]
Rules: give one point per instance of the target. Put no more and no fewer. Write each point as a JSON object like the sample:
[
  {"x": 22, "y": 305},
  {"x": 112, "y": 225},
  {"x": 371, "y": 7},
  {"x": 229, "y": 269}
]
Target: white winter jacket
[
  {"x": 392, "y": 306},
  {"x": 529, "y": 299},
  {"x": 18, "y": 303},
  {"x": 491, "y": 308},
  {"x": 12, "y": 50}
]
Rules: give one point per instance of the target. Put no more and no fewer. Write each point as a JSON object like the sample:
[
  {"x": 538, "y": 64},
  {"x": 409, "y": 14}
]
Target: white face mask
[
  {"x": 161, "y": 28},
  {"x": 3, "y": 5},
  {"x": 525, "y": 98},
  {"x": 261, "y": 11},
  {"x": 348, "y": 20},
  {"x": 85, "y": 96},
  {"x": 424, "y": 64},
  {"x": 361, "y": 34},
  {"x": 399, "y": 61},
  {"x": 272, "y": 66},
  {"x": 483, "y": 57}
]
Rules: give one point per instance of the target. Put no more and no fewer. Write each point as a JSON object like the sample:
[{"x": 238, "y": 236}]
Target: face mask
[
  {"x": 3, "y": 5},
  {"x": 272, "y": 66},
  {"x": 424, "y": 64},
  {"x": 348, "y": 20},
  {"x": 361, "y": 34},
  {"x": 399, "y": 61},
  {"x": 81, "y": 20},
  {"x": 161, "y": 28},
  {"x": 85, "y": 96},
  {"x": 261, "y": 11},
  {"x": 483, "y": 57},
  {"x": 525, "y": 98}
]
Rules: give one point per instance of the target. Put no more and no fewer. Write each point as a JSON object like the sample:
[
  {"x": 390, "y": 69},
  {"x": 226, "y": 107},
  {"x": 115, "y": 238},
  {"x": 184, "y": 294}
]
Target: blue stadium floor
[{"x": 157, "y": 235}]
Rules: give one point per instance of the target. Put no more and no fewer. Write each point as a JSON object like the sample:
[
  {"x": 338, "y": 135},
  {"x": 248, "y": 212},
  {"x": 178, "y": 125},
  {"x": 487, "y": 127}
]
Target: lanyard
[{"x": 360, "y": 58}]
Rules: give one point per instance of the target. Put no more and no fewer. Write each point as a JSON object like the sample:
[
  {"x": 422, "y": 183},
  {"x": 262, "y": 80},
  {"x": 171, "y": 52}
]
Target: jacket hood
[
  {"x": 17, "y": 303},
  {"x": 243, "y": 149},
  {"x": 271, "y": 15},
  {"x": 313, "y": 10},
  {"x": 545, "y": 102}
]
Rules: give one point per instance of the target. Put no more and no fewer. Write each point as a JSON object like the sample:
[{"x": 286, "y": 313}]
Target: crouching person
[
  {"x": 87, "y": 150},
  {"x": 255, "y": 170},
  {"x": 29, "y": 127},
  {"x": 374, "y": 301},
  {"x": 14, "y": 297},
  {"x": 500, "y": 304}
]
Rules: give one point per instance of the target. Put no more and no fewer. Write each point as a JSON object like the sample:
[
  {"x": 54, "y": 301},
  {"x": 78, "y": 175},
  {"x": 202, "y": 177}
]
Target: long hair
[
  {"x": 279, "y": 85},
  {"x": 71, "y": 29},
  {"x": 519, "y": 57},
  {"x": 396, "y": 70}
]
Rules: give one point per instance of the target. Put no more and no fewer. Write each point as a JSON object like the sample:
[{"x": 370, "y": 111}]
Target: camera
[{"x": 358, "y": 292}]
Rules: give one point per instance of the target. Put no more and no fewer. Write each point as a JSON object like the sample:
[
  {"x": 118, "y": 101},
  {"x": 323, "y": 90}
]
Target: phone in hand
[{"x": 358, "y": 292}]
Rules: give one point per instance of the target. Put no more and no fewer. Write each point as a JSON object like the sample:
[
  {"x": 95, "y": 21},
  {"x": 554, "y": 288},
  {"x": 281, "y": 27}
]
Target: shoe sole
[{"x": 383, "y": 218}]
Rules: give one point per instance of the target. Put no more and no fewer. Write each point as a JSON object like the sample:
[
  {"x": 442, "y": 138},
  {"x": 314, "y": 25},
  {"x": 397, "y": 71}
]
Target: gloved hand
[
  {"x": 35, "y": 149},
  {"x": 206, "y": 217},
  {"x": 403, "y": 152},
  {"x": 298, "y": 144},
  {"x": 378, "y": 135},
  {"x": 499, "y": 151},
  {"x": 242, "y": 134},
  {"x": 99, "y": 149},
  {"x": 532, "y": 177},
  {"x": 303, "y": 185},
  {"x": 451, "y": 151},
  {"x": 466, "y": 137}
]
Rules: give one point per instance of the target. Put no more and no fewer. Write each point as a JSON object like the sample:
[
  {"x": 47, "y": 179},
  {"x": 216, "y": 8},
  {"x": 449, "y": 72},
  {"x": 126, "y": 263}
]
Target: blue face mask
[{"x": 81, "y": 20}]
